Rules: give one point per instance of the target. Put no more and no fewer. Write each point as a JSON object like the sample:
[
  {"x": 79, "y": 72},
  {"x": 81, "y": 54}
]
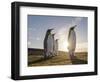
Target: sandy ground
[{"x": 62, "y": 59}]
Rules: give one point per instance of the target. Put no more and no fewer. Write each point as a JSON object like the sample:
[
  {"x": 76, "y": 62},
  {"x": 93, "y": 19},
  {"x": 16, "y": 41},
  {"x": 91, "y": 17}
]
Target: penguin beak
[
  {"x": 74, "y": 26},
  {"x": 51, "y": 29}
]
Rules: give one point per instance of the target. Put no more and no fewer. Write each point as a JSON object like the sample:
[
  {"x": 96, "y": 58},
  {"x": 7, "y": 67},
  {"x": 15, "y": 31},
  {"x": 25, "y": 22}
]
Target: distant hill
[{"x": 32, "y": 51}]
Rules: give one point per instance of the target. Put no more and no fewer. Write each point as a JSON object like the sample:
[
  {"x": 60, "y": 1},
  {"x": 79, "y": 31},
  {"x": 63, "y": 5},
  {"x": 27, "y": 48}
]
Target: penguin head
[
  {"x": 49, "y": 31},
  {"x": 73, "y": 27}
]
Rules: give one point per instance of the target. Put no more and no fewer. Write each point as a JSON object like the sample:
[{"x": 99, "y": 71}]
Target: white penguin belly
[
  {"x": 50, "y": 44},
  {"x": 72, "y": 41}
]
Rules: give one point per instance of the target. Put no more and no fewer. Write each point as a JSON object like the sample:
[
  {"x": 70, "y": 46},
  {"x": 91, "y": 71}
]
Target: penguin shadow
[{"x": 75, "y": 60}]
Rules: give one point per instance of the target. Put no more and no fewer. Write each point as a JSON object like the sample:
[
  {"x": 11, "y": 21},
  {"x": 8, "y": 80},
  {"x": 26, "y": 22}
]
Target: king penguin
[
  {"x": 46, "y": 43},
  {"x": 53, "y": 40},
  {"x": 72, "y": 41},
  {"x": 56, "y": 47}
]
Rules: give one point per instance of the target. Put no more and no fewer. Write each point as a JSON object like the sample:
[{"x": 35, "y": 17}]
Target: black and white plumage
[
  {"x": 48, "y": 43},
  {"x": 53, "y": 40},
  {"x": 72, "y": 40},
  {"x": 56, "y": 47}
]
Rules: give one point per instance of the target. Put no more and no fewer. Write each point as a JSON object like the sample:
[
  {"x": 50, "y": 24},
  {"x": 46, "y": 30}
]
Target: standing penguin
[
  {"x": 50, "y": 44},
  {"x": 56, "y": 47},
  {"x": 53, "y": 41},
  {"x": 46, "y": 43},
  {"x": 72, "y": 41}
]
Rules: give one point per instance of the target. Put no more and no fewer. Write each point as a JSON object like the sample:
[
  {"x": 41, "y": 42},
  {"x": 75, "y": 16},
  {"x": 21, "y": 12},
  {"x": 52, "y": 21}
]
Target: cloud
[
  {"x": 38, "y": 38},
  {"x": 78, "y": 19},
  {"x": 75, "y": 21},
  {"x": 64, "y": 29}
]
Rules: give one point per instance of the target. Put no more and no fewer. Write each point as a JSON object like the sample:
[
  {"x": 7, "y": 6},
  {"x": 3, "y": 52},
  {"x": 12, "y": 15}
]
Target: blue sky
[{"x": 38, "y": 25}]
